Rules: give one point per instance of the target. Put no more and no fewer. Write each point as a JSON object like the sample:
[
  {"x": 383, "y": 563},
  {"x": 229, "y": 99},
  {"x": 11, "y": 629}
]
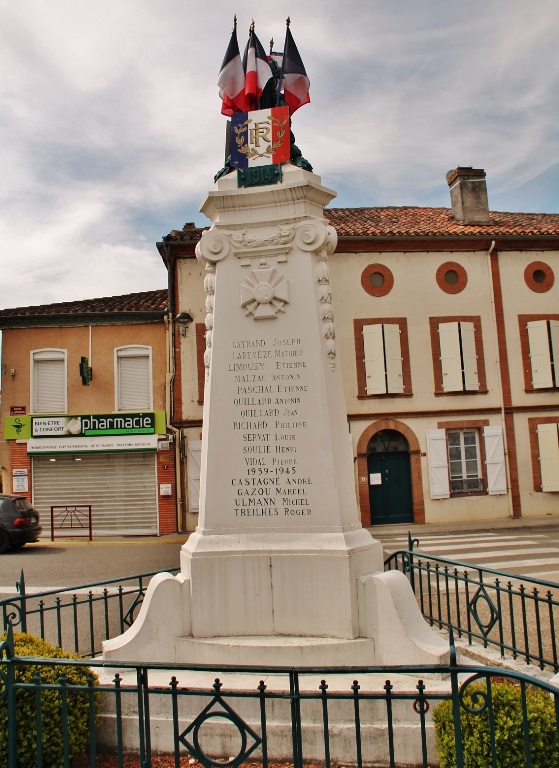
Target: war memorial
[{"x": 280, "y": 570}]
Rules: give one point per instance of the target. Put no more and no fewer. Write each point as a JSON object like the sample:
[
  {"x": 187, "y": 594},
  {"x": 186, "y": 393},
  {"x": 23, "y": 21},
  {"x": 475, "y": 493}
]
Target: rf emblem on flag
[{"x": 260, "y": 138}]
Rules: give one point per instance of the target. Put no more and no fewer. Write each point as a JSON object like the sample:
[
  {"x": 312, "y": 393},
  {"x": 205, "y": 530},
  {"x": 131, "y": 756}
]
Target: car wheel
[{"x": 4, "y": 542}]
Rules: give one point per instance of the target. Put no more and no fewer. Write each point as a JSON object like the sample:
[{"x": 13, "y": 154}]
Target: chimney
[{"x": 468, "y": 195}]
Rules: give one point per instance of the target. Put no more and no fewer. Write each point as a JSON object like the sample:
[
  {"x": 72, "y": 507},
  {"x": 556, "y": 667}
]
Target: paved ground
[
  {"x": 534, "y": 542},
  {"x": 527, "y": 548},
  {"x": 72, "y": 563}
]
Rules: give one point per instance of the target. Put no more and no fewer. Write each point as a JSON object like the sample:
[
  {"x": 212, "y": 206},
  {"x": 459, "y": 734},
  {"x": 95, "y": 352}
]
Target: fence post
[
  {"x": 7, "y": 656},
  {"x": 411, "y": 543},
  {"x": 20, "y": 586},
  {"x": 455, "y": 688}
]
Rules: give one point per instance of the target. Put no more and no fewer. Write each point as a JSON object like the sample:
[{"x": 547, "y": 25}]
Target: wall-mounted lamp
[{"x": 183, "y": 320}]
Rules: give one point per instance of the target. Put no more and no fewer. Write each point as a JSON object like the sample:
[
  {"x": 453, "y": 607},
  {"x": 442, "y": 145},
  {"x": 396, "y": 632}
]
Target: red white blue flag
[
  {"x": 296, "y": 84},
  {"x": 260, "y": 137},
  {"x": 257, "y": 69},
  {"x": 231, "y": 80}
]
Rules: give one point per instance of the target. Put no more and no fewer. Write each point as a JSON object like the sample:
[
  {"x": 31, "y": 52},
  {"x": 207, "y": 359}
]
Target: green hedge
[
  {"x": 509, "y": 733},
  {"x": 51, "y": 709}
]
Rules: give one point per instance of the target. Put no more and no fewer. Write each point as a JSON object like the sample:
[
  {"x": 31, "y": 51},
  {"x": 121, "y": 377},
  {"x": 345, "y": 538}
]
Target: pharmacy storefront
[{"x": 120, "y": 464}]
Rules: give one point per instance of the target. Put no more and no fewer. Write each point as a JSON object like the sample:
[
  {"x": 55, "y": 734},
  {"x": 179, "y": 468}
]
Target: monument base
[
  {"x": 353, "y": 606},
  {"x": 279, "y": 651}
]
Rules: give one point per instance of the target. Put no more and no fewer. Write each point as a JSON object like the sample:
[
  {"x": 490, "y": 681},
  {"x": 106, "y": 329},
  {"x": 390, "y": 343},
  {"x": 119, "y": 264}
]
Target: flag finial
[
  {"x": 234, "y": 22},
  {"x": 251, "y": 30},
  {"x": 287, "y": 22},
  {"x": 271, "y": 45}
]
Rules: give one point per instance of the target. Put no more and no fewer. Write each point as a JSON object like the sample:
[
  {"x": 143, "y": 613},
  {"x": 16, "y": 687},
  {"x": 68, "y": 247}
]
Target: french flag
[
  {"x": 296, "y": 84},
  {"x": 257, "y": 70},
  {"x": 231, "y": 80}
]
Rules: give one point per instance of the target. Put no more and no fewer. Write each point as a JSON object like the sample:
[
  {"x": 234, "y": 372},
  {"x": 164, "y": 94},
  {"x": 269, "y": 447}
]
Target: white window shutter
[
  {"x": 495, "y": 460},
  {"x": 438, "y": 464},
  {"x": 193, "y": 459},
  {"x": 49, "y": 381},
  {"x": 375, "y": 374},
  {"x": 469, "y": 356},
  {"x": 554, "y": 333},
  {"x": 548, "y": 442},
  {"x": 134, "y": 380},
  {"x": 539, "y": 354},
  {"x": 393, "y": 352},
  {"x": 451, "y": 363}
]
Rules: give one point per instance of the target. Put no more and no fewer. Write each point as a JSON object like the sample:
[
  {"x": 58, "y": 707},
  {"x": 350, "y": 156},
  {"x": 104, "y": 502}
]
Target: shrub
[
  {"x": 51, "y": 707},
  {"x": 506, "y": 699}
]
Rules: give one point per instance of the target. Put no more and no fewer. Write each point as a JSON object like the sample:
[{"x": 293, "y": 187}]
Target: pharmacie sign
[{"x": 93, "y": 425}]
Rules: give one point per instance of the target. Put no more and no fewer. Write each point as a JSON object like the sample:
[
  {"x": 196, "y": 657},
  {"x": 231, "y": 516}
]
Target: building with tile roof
[
  {"x": 86, "y": 414},
  {"x": 447, "y": 326}
]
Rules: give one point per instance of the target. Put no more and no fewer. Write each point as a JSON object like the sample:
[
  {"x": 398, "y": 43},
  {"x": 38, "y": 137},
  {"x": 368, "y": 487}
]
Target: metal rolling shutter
[{"x": 121, "y": 488}]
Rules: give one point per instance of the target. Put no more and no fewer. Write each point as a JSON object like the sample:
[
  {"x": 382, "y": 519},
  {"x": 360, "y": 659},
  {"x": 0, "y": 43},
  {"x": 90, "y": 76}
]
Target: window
[
  {"x": 451, "y": 277},
  {"x": 382, "y": 355},
  {"x": 540, "y": 352},
  {"x": 48, "y": 381},
  {"x": 133, "y": 379},
  {"x": 544, "y": 447},
  {"x": 377, "y": 280},
  {"x": 457, "y": 355},
  {"x": 461, "y": 462}
]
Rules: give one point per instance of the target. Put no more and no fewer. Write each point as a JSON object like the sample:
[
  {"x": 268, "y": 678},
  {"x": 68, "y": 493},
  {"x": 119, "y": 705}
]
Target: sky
[{"x": 111, "y": 130}]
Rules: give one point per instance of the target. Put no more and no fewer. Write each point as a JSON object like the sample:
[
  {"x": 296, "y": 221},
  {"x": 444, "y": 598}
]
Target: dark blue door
[{"x": 390, "y": 492}]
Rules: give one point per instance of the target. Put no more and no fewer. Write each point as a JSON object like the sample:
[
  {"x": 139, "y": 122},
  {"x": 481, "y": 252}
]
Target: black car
[{"x": 19, "y": 522}]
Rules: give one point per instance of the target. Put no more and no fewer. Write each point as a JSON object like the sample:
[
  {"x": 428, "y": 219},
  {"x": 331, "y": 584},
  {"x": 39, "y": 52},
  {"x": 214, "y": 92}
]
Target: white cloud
[{"x": 111, "y": 131}]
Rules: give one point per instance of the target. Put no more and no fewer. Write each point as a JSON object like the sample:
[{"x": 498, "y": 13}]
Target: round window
[
  {"x": 539, "y": 276},
  {"x": 377, "y": 280},
  {"x": 451, "y": 277}
]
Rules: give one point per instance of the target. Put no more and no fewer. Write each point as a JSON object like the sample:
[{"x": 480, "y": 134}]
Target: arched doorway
[{"x": 389, "y": 476}]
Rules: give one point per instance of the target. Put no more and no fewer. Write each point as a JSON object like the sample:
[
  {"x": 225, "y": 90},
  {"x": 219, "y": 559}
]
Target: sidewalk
[{"x": 526, "y": 524}]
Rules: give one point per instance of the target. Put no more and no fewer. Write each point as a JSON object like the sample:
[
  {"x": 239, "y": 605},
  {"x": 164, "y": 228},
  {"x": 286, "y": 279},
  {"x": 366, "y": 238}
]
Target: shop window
[
  {"x": 133, "y": 379},
  {"x": 466, "y": 460},
  {"x": 48, "y": 381},
  {"x": 382, "y": 355},
  {"x": 458, "y": 355},
  {"x": 543, "y": 353}
]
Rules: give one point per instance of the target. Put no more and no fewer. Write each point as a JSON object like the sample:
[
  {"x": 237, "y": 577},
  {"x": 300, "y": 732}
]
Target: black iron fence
[
  {"x": 78, "y": 618},
  {"x": 516, "y": 614},
  {"x": 470, "y": 717}
]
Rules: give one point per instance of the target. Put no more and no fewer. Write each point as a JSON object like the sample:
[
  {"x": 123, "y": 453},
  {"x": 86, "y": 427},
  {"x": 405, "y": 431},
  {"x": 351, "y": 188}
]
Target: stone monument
[{"x": 280, "y": 570}]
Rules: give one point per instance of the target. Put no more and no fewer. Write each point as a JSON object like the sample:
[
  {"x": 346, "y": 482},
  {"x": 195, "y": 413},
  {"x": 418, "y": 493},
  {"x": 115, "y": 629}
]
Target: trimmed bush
[
  {"x": 51, "y": 707},
  {"x": 506, "y": 700}
]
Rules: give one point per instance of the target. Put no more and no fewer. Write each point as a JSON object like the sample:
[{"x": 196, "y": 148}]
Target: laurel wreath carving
[{"x": 250, "y": 152}]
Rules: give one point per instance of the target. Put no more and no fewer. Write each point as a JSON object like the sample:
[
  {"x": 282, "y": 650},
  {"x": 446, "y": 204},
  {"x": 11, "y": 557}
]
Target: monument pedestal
[{"x": 279, "y": 570}]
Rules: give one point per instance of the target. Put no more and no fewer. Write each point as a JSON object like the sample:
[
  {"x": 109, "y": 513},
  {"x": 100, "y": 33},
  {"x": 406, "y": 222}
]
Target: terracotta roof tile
[
  {"x": 147, "y": 301},
  {"x": 407, "y": 221}
]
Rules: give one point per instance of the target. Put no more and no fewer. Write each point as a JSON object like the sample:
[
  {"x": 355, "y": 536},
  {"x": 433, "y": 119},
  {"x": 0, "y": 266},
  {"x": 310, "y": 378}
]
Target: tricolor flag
[
  {"x": 231, "y": 80},
  {"x": 257, "y": 70},
  {"x": 260, "y": 137},
  {"x": 295, "y": 81}
]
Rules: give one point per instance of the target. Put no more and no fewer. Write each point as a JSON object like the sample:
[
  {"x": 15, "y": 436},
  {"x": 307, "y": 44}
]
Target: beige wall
[{"x": 417, "y": 296}]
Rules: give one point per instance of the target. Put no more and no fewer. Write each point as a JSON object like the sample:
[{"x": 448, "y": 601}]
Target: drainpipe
[
  {"x": 499, "y": 379},
  {"x": 169, "y": 382}
]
